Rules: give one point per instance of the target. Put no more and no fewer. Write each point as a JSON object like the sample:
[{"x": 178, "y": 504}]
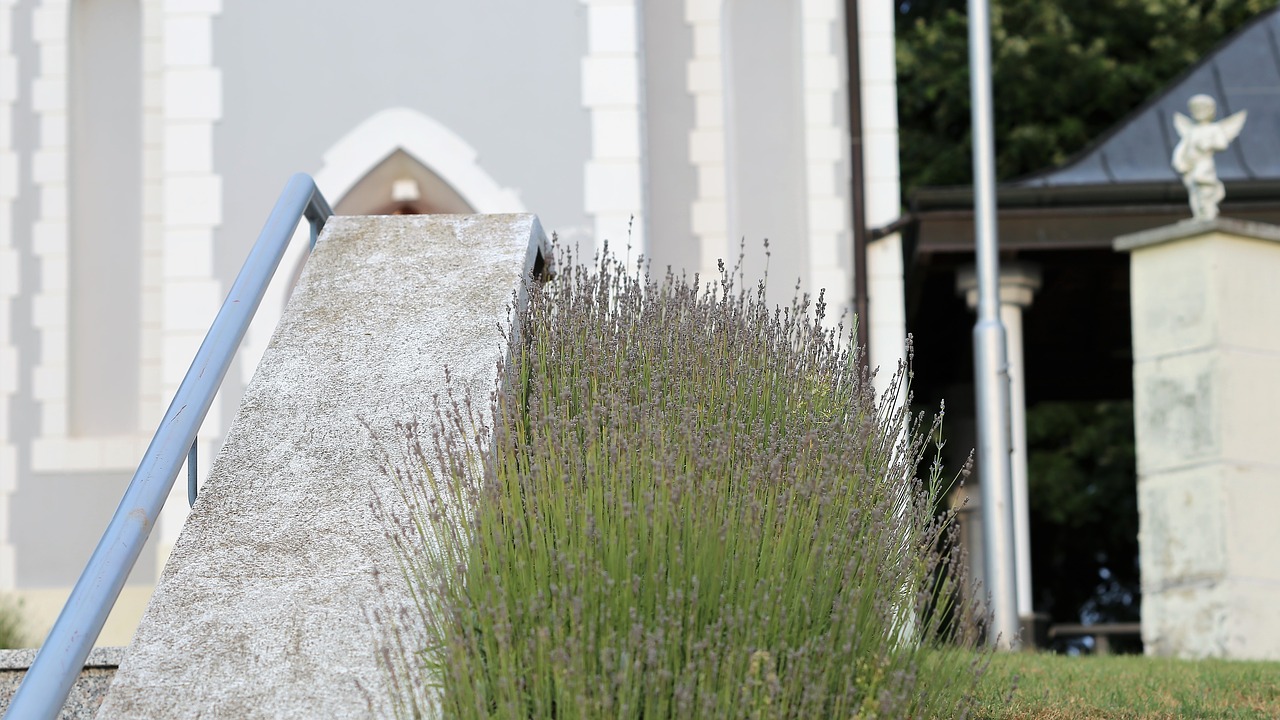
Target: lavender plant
[{"x": 680, "y": 503}]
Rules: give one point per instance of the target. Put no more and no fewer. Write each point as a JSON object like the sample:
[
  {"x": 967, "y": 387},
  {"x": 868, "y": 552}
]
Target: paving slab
[
  {"x": 87, "y": 692},
  {"x": 265, "y": 607}
]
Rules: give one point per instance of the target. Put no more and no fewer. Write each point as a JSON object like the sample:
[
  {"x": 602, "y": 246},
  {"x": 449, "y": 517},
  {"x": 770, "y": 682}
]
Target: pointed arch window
[{"x": 401, "y": 185}]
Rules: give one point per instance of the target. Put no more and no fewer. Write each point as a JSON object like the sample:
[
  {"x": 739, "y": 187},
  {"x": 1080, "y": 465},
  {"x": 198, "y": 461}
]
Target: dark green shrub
[
  {"x": 684, "y": 505},
  {"x": 12, "y": 631}
]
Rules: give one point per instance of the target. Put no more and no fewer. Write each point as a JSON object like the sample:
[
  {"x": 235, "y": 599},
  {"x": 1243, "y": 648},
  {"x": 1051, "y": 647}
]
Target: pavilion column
[{"x": 1018, "y": 284}]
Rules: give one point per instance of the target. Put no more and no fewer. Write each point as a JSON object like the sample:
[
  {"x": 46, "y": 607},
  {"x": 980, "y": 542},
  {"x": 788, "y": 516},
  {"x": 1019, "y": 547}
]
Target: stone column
[
  {"x": 1206, "y": 383},
  {"x": 1018, "y": 284}
]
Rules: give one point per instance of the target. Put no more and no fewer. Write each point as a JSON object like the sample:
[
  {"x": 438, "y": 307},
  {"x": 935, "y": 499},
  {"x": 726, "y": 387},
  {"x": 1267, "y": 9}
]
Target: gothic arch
[{"x": 425, "y": 140}]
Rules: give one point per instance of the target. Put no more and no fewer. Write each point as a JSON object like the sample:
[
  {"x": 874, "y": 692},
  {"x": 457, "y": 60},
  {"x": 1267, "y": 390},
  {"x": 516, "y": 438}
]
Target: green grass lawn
[{"x": 1057, "y": 687}]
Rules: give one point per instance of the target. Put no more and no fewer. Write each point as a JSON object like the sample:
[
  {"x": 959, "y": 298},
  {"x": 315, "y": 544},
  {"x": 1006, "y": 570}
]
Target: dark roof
[{"x": 1242, "y": 73}]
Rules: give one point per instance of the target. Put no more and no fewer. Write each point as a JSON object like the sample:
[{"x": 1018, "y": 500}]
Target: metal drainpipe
[{"x": 856, "y": 192}]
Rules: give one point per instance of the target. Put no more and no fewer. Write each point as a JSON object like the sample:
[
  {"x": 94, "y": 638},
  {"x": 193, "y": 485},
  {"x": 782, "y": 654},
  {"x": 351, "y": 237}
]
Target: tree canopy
[{"x": 1063, "y": 71}]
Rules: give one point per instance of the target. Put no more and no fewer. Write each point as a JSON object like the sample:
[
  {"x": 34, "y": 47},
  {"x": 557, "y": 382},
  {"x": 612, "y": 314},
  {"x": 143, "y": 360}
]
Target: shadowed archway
[{"x": 401, "y": 185}]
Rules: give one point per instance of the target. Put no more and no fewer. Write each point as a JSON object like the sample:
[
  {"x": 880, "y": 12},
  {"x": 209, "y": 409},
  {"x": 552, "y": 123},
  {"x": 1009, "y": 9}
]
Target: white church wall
[{"x": 749, "y": 72}]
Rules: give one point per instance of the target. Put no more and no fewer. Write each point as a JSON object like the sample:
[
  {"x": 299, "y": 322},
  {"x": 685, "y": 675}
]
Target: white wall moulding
[
  {"x": 183, "y": 209},
  {"x": 120, "y": 453},
  {"x": 612, "y": 94},
  {"x": 49, "y": 234},
  {"x": 827, "y": 214},
  {"x": 187, "y": 40},
  {"x": 877, "y": 64},
  {"x": 158, "y": 146}
]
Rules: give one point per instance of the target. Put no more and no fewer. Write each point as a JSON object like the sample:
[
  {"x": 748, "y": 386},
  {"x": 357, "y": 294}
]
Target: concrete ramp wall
[{"x": 263, "y": 609}]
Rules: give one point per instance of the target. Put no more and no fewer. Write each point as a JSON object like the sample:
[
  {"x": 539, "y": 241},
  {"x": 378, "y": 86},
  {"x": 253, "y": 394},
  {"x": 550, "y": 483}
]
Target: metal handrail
[{"x": 61, "y": 658}]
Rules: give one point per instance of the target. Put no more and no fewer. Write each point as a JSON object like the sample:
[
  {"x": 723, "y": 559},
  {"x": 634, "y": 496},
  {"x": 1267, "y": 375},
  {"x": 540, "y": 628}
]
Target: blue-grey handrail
[{"x": 62, "y": 656}]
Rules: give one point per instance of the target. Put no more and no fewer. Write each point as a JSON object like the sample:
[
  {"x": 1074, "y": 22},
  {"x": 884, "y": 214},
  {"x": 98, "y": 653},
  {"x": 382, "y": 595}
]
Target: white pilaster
[
  {"x": 878, "y": 67},
  {"x": 612, "y": 91},
  {"x": 887, "y": 324},
  {"x": 9, "y": 280},
  {"x": 1018, "y": 285},
  {"x": 826, "y": 152},
  {"x": 705, "y": 81},
  {"x": 151, "y": 405},
  {"x": 189, "y": 209},
  {"x": 52, "y": 449}
]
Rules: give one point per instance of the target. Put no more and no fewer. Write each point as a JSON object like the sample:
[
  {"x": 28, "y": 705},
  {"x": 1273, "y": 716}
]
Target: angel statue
[{"x": 1193, "y": 157}]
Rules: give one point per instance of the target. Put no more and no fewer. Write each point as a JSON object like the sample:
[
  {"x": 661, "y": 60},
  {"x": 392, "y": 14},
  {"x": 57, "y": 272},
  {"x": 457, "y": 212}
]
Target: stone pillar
[
  {"x": 1206, "y": 383},
  {"x": 1018, "y": 284}
]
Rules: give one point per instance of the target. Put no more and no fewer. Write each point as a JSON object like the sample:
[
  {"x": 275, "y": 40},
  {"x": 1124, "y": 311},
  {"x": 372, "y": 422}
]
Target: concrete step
[
  {"x": 265, "y": 608},
  {"x": 87, "y": 693}
]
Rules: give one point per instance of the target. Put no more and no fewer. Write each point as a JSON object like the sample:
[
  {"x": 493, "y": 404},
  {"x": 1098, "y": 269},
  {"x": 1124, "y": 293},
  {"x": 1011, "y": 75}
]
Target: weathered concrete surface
[
  {"x": 1206, "y": 308},
  {"x": 86, "y": 694},
  {"x": 264, "y": 608}
]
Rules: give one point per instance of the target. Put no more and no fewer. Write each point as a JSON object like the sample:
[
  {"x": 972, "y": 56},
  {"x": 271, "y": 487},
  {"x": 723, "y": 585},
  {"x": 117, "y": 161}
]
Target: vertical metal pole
[{"x": 991, "y": 367}]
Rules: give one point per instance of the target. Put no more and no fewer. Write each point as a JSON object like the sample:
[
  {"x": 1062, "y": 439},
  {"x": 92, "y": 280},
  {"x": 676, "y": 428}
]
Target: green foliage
[
  {"x": 1063, "y": 72},
  {"x": 12, "y": 632},
  {"x": 1083, "y": 460},
  {"x": 1134, "y": 688},
  {"x": 1084, "y": 512},
  {"x": 664, "y": 517}
]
